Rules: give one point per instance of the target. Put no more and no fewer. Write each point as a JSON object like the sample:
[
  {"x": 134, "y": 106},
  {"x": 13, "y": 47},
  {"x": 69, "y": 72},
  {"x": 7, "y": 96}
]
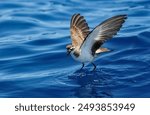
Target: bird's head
[{"x": 69, "y": 48}]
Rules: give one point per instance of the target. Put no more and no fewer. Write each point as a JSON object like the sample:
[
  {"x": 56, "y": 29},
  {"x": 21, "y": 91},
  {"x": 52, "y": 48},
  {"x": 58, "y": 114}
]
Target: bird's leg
[
  {"x": 82, "y": 66},
  {"x": 94, "y": 66}
]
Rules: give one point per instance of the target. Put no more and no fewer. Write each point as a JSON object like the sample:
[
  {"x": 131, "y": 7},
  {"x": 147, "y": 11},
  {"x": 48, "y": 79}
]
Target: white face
[
  {"x": 69, "y": 50},
  {"x": 72, "y": 48}
]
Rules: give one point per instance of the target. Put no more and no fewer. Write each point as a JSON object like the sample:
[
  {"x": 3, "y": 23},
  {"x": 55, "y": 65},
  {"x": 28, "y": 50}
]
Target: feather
[
  {"x": 101, "y": 33},
  {"x": 79, "y": 29}
]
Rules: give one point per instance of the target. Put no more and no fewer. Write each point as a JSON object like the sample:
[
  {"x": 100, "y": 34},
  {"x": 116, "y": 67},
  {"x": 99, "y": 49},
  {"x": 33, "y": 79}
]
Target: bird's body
[
  {"x": 83, "y": 57},
  {"x": 86, "y": 45}
]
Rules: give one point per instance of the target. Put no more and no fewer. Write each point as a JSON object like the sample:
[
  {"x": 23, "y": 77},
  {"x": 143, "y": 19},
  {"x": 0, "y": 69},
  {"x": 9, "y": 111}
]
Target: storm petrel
[{"x": 86, "y": 44}]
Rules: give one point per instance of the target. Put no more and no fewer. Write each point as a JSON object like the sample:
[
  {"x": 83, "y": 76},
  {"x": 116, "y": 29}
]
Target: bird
[{"x": 87, "y": 45}]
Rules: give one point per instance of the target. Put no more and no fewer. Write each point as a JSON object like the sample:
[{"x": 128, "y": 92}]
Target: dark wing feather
[
  {"x": 101, "y": 33},
  {"x": 79, "y": 29},
  {"x": 110, "y": 27}
]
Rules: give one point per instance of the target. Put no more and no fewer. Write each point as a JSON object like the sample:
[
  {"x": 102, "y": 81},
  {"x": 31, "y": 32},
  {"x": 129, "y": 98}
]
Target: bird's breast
[{"x": 82, "y": 56}]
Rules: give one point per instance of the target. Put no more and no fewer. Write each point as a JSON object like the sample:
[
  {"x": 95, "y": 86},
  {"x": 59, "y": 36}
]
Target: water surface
[{"x": 33, "y": 60}]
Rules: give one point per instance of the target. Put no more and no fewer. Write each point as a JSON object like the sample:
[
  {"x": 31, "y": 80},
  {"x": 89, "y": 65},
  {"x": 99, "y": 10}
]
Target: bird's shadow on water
[{"x": 92, "y": 83}]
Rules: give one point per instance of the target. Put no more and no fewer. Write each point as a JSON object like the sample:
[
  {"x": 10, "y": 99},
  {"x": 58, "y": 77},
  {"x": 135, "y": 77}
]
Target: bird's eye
[{"x": 71, "y": 49}]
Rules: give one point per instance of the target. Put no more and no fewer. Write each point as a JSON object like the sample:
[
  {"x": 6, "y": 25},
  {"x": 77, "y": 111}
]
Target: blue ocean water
[{"x": 33, "y": 60}]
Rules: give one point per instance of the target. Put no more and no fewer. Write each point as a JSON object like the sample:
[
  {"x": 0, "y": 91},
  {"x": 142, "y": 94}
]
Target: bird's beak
[{"x": 68, "y": 52}]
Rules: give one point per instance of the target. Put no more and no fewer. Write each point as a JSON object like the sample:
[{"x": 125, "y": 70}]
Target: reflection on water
[{"x": 92, "y": 83}]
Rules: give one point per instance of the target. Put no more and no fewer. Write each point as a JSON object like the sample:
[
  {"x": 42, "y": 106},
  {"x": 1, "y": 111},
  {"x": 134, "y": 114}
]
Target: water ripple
[{"x": 33, "y": 60}]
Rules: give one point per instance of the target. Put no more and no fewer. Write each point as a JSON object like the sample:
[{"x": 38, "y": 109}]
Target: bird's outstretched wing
[
  {"x": 79, "y": 29},
  {"x": 102, "y": 32}
]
